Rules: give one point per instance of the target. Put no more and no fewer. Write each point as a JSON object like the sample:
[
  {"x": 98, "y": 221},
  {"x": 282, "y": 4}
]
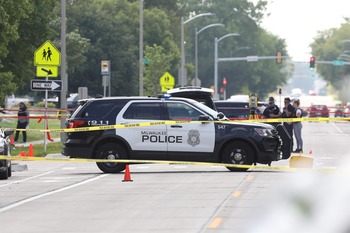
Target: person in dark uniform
[
  {"x": 23, "y": 121},
  {"x": 288, "y": 111},
  {"x": 272, "y": 111}
]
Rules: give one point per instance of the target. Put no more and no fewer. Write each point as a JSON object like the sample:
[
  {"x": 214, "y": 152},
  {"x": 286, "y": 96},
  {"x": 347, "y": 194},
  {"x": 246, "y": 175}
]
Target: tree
[
  {"x": 330, "y": 45},
  {"x": 111, "y": 26},
  {"x": 158, "y": 63},
  {"x": 23, "y": 26},
  {"x": 243, "y": 17}
]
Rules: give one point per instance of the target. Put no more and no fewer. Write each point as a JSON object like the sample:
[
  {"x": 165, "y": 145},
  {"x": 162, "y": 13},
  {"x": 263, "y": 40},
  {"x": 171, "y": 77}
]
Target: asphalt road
[{"x": 77, "y": 197}]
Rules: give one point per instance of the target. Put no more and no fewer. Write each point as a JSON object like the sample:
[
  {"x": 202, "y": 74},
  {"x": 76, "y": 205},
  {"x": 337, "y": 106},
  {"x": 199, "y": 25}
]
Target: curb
[{"x": 18, "y": 168}]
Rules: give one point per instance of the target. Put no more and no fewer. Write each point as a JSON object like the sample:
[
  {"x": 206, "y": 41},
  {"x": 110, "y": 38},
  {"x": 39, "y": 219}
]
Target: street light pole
[
  {"x": 216, "y": 88},
  {"x": 182, "y": 65},
  {"x": 141, "y": 51},
  {"x": 196, "y": 46}
]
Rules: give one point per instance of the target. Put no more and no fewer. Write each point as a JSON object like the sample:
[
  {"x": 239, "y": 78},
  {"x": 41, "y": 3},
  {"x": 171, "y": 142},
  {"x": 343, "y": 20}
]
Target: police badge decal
[{"x": 193, "y": 137}]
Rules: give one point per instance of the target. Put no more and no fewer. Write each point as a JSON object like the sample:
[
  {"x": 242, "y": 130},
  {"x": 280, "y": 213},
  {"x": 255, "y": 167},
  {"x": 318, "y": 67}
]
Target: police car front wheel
[
  {"x": 238, "y": 153},
  {"x": 111, "y": 151}
]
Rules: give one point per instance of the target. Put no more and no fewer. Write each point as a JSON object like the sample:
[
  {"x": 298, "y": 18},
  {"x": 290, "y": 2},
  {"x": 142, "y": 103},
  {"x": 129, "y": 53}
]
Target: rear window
[
  {"x": 98, "y": 109},
  {"x": 143, "y": 111}
]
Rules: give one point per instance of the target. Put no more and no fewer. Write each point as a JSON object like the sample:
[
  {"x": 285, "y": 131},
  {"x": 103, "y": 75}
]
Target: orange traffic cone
[
  {"x": 23, "y": 154},
  {"x": 30, "y": 151},
  {"x": 12, "y": 141},
  {"x": 127, "y": 177}
]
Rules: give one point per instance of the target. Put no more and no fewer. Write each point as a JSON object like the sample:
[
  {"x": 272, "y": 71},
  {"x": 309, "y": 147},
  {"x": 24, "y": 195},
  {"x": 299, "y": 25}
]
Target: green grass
[
  {"x": 33, "y": 134},
  {"x": 38, "y": 149}
]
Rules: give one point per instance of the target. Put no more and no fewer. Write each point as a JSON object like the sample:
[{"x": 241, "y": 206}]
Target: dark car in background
[
  {"x": 318, "y": 110},
  {"x": 200, "y": 94},
  {"x": 236, "y": 110}
]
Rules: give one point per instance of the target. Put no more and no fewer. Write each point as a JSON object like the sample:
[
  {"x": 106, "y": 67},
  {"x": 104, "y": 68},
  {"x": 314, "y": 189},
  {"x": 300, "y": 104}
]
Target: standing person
[
  {"x": 288, "y": 113},
  {"x": 23, "y": 121},
  {"x": 297, "y": 126},
  {"x": 272, "y": 111}
]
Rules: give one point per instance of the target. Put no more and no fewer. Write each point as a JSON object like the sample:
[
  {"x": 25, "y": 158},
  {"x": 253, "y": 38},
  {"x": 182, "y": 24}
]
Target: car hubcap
[
  {"x": 237, "y": 156},
  {"x": 111, "y": 155}
]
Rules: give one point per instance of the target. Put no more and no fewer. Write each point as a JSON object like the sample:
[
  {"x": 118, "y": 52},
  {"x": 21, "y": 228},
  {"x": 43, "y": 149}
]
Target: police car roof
[
  {"x": 136, "y": 98},
  {"x": 190, "y": 89}
]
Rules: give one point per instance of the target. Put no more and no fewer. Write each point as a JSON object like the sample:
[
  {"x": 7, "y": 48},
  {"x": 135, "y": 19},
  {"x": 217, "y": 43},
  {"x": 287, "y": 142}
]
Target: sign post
[
  {"x": 47, "y": 58},
  {"x": 106, "y": 76}
]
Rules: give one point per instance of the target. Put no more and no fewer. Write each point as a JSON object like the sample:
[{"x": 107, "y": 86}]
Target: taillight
[{"x": 75, "y": 123}]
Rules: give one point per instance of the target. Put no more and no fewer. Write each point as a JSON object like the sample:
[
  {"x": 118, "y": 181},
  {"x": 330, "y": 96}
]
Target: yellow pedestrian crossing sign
[
  {"x": 47, "y": 71},
  {"x": 167, "y": 80},
  {"x": 47, "y": 55}
]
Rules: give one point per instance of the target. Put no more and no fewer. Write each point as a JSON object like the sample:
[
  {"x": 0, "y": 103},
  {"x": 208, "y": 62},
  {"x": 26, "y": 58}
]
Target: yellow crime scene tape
[
  {"x": 131, "y": 161},
  {"x": 145, "y": 124}
]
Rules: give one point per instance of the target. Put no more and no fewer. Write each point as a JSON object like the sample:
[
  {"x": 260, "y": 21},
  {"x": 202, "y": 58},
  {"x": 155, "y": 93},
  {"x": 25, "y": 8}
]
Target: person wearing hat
[
  {"x": 272, "y": 111},
  {"x": 288, "y": 111}
]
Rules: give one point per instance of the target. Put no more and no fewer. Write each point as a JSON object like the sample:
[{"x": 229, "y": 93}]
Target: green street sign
[{"x": 338, "y": 63}]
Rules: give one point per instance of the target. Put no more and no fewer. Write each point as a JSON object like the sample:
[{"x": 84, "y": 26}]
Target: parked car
[
  {"x": 5, "y": 149},
  {"x": 318, "y": 110},
  {"x": 236, "y": 110}
]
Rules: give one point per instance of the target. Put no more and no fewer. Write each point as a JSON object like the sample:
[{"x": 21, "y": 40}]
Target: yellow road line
[{"x": 215, "y": 223}]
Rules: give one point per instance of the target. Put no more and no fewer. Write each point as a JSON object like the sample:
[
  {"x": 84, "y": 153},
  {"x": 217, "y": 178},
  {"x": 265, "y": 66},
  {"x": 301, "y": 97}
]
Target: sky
[{"x": 298, "y": 21}]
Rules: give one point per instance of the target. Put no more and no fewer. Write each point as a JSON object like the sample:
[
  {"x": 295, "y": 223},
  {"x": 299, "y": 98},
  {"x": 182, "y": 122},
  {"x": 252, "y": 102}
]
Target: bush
[{"x": 49, "y": 105}]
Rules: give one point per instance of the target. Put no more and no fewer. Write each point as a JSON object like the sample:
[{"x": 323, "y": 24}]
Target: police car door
[
  {"x": 188, "y": 141},
  {"x": 146, "y": 142}
]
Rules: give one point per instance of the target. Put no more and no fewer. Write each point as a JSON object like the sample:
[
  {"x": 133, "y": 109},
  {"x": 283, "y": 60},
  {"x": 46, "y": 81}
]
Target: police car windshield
[{"x": 205, "y": 108}]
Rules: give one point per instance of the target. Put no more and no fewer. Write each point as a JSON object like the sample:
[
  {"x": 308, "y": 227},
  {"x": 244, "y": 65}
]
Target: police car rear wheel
[
  {"x": 4, "y": 174},
  {"x": 111, "y": 151},
  {"x": 239, "y": 153},
  {"x": 9, "y": 171}
]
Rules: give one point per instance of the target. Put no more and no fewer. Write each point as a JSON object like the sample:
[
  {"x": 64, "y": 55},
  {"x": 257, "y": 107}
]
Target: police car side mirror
[
  {"x": 221, "y": 116},
  {"x": 8, "y": 132},
  {"x": 203, "y": 118}
]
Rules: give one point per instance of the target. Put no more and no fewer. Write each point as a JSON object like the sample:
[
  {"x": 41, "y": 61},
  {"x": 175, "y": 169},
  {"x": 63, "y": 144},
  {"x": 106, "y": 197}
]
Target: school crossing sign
[
  {"x": 47, "y": 59},
  {"x": 47, "y": 55}
]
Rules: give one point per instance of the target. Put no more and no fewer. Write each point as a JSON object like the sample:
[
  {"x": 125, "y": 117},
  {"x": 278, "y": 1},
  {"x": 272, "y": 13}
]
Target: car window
[
  {"x": 97, "y": 109},
  {"x": 143, "y": 111},
  {"x": 181, "y": 111}
]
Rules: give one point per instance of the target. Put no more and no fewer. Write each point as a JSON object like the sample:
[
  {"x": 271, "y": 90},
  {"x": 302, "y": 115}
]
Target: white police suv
[{"x": 194, "y": 132}]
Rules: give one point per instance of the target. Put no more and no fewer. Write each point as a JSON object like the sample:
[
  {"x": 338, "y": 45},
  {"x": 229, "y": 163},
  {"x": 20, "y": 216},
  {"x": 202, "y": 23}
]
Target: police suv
[{"x": 193, "y": 132}]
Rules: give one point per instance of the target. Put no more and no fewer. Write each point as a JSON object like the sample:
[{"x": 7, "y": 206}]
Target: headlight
[{"x": 264, "y": 132}]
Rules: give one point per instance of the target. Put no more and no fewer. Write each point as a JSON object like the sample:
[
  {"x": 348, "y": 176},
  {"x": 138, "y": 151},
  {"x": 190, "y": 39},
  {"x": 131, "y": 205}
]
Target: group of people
[{"x": 290, "y": 110}]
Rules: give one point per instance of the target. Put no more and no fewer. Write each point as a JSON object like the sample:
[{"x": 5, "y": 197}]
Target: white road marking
[
  {"x": 50, "y": 193},
  {"x": 337, "y": 128},
  {"x": 29, "y": 178}
]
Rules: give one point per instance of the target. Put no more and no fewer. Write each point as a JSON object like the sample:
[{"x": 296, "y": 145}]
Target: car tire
[
  {"x": 239, "y": 153},
  {"x": 111, "y": 151},
  {"x": 9, "y": 171},
  {"x": 4, "y": 175}
]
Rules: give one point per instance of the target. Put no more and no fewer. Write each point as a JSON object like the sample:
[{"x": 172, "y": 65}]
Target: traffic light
[
  {"x": 312, "y": 63},
  {"x": 279, "y": 58},
  {"x": 224, "y": 81}
]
